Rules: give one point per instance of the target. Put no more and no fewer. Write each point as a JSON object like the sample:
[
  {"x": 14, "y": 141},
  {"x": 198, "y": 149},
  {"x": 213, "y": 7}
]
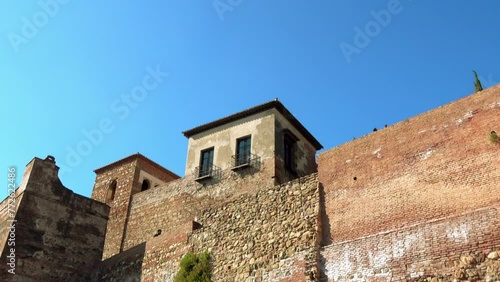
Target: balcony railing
[
  {"x": 205, "y": 171},
  {"x": 243, "y": 160}
]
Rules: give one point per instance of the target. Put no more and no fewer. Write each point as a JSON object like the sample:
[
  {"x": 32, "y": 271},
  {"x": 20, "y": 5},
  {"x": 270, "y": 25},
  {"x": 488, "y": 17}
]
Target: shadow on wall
[
  {"x": 326, "y": 235},
  {"x": 125, "y": 266}
]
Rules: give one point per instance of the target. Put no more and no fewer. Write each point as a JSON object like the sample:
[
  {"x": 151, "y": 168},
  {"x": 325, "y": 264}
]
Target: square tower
[
  {"x": 115, "y": 185},
  {"x": 265, "y": 134}
]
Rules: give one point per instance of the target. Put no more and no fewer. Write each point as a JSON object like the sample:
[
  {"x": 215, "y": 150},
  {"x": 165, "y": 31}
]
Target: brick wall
[
  {"x": 125, "y": 175},
  {"x": 433, "y": 165},
  {"x": 463, "y": 247}
]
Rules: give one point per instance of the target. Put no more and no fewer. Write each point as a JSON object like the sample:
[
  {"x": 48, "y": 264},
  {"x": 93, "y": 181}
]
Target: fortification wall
[
  {"x": 433, "y": 165},
  {"x": 170, "y": 206},
  {"x": 59, "y": 235},
  {"x": 269, "y": 235},
  {"x": 124, "y": 176},
  {"x": 464, "y": 247}
]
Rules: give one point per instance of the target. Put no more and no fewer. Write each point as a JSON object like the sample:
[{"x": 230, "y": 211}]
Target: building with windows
[
  {"x": 416, "y": 201},
  {"x": 267, "y": 133}
]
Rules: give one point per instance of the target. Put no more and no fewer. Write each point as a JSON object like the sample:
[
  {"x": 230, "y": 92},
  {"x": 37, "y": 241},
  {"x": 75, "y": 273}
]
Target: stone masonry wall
[
  {"x": 454, "y": 248},
  {"x": 271, "y": 236},
  {"x": 170, "y": 206},
  {"x": 436, "y": 164},
  {"x": 59, "y": 235}
]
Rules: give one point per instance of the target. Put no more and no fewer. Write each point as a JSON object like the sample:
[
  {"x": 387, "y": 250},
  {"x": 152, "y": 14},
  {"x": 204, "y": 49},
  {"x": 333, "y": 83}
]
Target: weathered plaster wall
[
  {"x": 436, "y": 164},
  {"x": 459, "y": 247},
  {"x": 59, "y": 235},
  {"x": 260, "y": 126}
]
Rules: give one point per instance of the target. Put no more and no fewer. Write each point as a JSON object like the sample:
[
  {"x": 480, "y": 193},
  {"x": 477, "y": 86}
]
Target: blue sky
[{"x": 144, "y": 71}]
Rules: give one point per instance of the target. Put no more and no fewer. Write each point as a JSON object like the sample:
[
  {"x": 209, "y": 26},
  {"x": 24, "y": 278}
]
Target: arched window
[
  {"x": 110, "y": 196},
  {"x": 145, "y": 185}
]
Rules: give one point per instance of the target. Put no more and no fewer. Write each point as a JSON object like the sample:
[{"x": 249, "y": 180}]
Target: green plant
[
  {"x": 494, "y": 137},
  {"x": 194, "y": 268},
  {"x": 477, "y": 84}
]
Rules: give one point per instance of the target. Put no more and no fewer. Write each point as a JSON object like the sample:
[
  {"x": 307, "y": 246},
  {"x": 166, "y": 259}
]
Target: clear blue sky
[{"x": 67, "y": 68}]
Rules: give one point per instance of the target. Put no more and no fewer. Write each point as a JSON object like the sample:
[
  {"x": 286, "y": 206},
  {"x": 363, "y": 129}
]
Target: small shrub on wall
[
  {"x": 494, "y": 137},
  {"x": 194, "y": 268}
]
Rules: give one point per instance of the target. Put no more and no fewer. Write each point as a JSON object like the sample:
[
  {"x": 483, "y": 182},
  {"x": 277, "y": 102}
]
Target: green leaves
[
  {"x": 477, "y": 83},
  {"x": 194, "y": 268}
]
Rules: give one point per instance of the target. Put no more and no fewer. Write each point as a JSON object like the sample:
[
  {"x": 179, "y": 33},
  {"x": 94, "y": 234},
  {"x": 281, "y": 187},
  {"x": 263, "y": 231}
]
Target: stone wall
[
  {"x": 465, "y": 247},
  {"x": 436, "y": 164},
  {"x": 59, "y": 235},
  {"x": 271, "y": 236},
  {"x": 155, "y": 260},
  {"x": 170, "y": 206},
  {"x": 126, "y": 173}
]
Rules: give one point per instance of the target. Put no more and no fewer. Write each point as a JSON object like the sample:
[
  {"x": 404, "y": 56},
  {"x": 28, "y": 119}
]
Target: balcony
[
  {"x": 205, "y": 172},
  {"x": 244, "y": 160}
]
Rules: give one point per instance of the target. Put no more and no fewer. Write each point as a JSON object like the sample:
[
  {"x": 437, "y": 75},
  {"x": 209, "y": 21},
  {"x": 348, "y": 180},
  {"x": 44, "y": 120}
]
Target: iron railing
[
  {"x": 205, "y": 171},
  {"x": 245, "y": 159}
]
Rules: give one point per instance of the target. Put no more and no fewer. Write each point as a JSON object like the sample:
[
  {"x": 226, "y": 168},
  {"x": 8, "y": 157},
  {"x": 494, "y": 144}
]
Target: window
[
  {"x": 110, "y": 196},
  {"x": 243, "y": 150},
  {"x": 145, "y": 185},
  {"x": 206, "y": 162},
  {"x": 289, "y": 144}
]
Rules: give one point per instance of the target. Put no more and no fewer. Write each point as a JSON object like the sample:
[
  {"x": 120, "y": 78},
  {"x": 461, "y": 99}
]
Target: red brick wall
[
  {"x": 125, "y": 175},
  {"x": 156, "y": 171},
  {"x": 445, "y": 249},
  {"x": 436, "y": 164}
]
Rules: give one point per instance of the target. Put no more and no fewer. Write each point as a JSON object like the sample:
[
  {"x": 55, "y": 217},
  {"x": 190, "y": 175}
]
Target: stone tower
[{"x": 115, "y": 185}]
